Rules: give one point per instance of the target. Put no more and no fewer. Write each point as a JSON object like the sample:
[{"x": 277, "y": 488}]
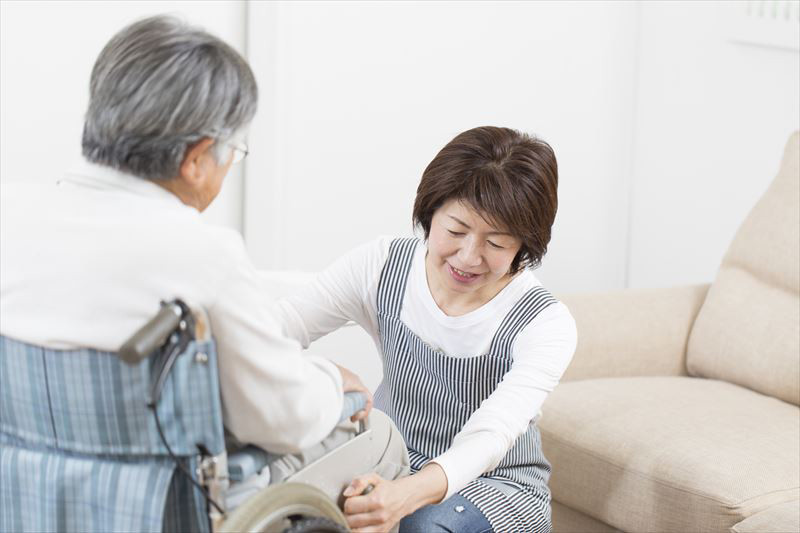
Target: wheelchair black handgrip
[{"x": 152, "y": 335}]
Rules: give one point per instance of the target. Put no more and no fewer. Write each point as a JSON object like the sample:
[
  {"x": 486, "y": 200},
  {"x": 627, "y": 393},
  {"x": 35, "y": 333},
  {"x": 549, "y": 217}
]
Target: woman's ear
[{"x": 193, "y": 167}]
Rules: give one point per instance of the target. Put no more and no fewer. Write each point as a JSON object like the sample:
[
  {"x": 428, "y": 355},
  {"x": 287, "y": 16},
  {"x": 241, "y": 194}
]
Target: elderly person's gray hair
[{"x": 158, "y": 87}]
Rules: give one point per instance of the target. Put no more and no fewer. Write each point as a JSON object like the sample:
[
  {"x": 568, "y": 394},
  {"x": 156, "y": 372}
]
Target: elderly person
[{"x": 86, "y": 259}]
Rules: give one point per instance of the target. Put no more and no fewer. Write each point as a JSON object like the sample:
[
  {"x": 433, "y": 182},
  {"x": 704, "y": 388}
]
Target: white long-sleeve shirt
[
  {"x": 348, "y": 291},
  {"x": 85, "y": 262}
]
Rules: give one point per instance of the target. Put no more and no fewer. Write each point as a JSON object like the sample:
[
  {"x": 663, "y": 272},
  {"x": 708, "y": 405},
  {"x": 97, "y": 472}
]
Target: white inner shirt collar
[{"x": 97, "y": 176}]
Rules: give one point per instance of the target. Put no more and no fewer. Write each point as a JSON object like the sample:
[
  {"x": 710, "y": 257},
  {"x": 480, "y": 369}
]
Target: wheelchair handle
[{"x": 153, "y": 334}]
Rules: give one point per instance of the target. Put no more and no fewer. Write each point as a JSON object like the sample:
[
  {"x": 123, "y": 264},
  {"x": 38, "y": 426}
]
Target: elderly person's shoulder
[{"x": 89, "y": 209}]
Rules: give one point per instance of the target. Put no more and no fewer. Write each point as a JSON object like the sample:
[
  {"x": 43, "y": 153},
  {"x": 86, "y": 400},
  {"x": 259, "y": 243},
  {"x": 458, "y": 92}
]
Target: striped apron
[{"x": 430, "y": 396}]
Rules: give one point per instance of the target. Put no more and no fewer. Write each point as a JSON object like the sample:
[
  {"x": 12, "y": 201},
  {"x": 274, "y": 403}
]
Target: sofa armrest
[{"x": 633, "y": 332}]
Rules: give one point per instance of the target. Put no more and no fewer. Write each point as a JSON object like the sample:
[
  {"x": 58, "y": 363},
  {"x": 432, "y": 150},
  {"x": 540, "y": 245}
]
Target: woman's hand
[
  {"x": 378, "y": 510},
  {"x": 352, "y": 383},
  {"x": 389, "y": 501}
]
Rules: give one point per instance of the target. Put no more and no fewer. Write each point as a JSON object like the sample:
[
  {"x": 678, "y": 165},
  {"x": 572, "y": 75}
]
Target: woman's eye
[
  {"x": 493, "y": 245},
  {"x": 455, "y": 233}
]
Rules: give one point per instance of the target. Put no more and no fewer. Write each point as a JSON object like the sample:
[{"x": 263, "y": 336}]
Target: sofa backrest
[{"x": 748, "y": 329}]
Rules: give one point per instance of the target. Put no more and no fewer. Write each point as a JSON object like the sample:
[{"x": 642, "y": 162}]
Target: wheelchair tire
[
  {"x": 316, "y": 525},
  {"x": 280, "y": 507}
]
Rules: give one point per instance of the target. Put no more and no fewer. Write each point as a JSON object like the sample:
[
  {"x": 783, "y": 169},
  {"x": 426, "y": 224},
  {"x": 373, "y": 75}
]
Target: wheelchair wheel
[
  {"x": 316, "y": 525},
  {"x": 278, "y": 509}
]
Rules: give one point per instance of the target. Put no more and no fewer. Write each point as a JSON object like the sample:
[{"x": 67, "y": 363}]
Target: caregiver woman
[{"x": 471, "y": 342}]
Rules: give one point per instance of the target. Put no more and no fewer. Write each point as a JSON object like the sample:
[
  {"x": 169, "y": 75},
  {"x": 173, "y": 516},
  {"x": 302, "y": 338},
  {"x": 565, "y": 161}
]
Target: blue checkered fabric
[{"x": 79, "y": 449}]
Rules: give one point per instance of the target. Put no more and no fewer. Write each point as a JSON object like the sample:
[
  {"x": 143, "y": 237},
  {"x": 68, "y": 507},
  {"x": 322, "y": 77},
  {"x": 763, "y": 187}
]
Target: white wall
[
  {"x": 712, "y": 118},
  {"x": 358, "y": 97},
  {"x": 666, "y": 130},
  {"x": 361, "y": 95},
  {"x": 47, "y": 50},
  {"x": 654, "y": 111}
]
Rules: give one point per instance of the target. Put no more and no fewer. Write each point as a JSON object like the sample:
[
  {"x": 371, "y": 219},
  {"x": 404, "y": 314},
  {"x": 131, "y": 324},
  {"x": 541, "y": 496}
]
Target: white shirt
[
  {"x": 542, "y": 351},
  {"x": 85, "y": 261}
]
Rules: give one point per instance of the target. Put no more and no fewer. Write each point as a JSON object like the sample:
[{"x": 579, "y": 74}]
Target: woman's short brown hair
[{"x": 509, "y": 177}]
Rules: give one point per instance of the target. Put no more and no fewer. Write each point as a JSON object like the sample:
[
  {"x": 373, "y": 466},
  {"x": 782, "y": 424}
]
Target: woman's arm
[
  {"x": 542, "y": 352},
  {"x": 343, "y": 292}
]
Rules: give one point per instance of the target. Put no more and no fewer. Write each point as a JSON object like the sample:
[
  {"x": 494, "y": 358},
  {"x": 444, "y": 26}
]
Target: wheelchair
[{"x": 134, "y": 441}]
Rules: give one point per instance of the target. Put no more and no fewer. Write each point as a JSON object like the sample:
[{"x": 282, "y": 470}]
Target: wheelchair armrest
[
  {"x": 353, "y": 403},
  {"x": 246, "y": 462}
]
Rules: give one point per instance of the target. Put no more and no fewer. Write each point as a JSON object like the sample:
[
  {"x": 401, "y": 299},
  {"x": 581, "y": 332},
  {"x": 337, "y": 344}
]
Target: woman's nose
[{"x": 469, "y": 254}]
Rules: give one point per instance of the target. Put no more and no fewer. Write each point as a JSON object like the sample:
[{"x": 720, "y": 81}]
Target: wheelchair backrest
[{"x": 79, "y": 449}]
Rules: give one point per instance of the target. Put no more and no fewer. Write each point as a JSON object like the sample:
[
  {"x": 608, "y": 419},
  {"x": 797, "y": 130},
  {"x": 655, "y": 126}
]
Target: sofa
[{"x": 679, "y": 411}]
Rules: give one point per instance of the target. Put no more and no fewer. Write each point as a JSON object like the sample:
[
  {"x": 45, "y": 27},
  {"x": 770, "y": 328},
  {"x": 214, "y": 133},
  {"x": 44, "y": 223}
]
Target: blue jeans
[{"x": 454, "y": 515}]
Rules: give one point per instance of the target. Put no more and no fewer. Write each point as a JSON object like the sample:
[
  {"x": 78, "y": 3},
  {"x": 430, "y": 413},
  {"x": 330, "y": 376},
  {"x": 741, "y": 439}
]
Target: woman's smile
[{"x": 460, "y": 275}]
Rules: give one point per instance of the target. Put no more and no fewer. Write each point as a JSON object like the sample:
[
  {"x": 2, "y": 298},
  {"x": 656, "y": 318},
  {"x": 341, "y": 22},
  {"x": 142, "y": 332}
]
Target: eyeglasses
[{"x": 240, "y": 151}]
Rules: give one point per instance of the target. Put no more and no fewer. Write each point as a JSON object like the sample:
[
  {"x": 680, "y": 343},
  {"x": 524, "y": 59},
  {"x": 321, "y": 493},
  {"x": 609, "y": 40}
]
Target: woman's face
[{"x": 466, "y": 254}]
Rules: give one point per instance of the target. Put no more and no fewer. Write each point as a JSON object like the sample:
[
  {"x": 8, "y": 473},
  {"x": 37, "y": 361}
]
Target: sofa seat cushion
[
  {"x": 782, "y": 518},
  {"x": 670, "y": 453}
]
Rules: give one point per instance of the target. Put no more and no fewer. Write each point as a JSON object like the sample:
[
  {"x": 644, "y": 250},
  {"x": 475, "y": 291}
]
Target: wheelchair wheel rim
[{"x": 271, "y": 508}]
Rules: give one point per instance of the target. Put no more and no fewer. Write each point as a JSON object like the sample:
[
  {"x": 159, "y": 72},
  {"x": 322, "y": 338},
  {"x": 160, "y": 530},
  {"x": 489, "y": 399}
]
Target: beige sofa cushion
[
  {"x": 568, "y": 520},
  {"x": 748, "y": 330},
  {"x": 632, "y": 332},
  {"x": 670, "y": 453},
  {"x": 783, "y": 518}
]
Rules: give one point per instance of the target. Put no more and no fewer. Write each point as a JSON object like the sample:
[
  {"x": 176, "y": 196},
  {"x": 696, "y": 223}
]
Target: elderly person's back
[{"x": 87, "y": 256}]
